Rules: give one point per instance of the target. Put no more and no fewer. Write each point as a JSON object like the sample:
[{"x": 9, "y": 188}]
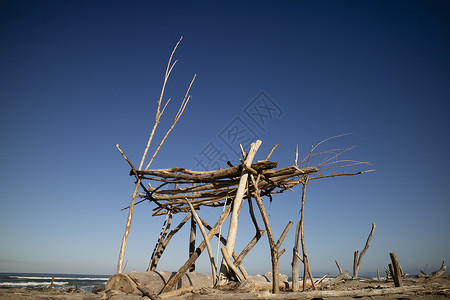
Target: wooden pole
[
  {"x": 338, "y": 266},
  {"x": 355, "y": 263},
  {"x": 273, "y": 246},
  {"x": 192, "y": 237},
  {"x": 396, "y": 270},
  {"x": 206, "y": 239},
  {"x": 128, "y": 226},
  {"x": 300, "y": 241},
  {"x": 162, "y": 246},
  {"x": 197, "y": 252},
  {"x": 192, "y": 242},
  {"x": 237, "y": 203}
]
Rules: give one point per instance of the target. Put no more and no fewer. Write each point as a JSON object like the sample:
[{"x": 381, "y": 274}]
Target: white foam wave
[
  {"x": 30, "y": 283},
  {"x": 59, "y": 278}
]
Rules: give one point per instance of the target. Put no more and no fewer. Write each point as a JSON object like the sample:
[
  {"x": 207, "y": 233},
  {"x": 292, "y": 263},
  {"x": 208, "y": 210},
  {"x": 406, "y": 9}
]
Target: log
[
  {"x": 145, "y": 291},
  {"x": 440, "y": 271},
  {"x": 335, "y": 280},
  {"x": 153, "y": 282},
  {"x": 358, "y": 293},
  {"x": 397, "y": 271}
]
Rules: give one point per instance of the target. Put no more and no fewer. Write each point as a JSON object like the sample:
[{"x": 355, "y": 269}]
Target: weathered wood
[
  {"x": 358, "y": 262},
  {"x": 249, "y": 247},
  {"x": 145, "y": 291},
  {"x": 359, "y": 293},
  {"x": 390, "y": 272},
  {"x": 440, "y": 271},
  {"x": 127, "y": 227},
  {"x": 338, "y": 266},
  {"x": 224, "y": 242},
  {"x": 230, "y": 264},
  {"x": 301, "y": 240},
  {"x": 321, "y": 279},
  {"x": 207, "y": 176},
  {"x": 237, "y": 202},
  {"x": 162, "y": 246},
  {"x": 197, "y": 252},
  {"x": 162, "y": 235},
  {"x": 355, "y": 263},
  {"x": 154, "y": 281},
  {"x": 192, "y": 242},
  {"x": 176, "y": 293},
  {"x": 192, "y": 234},
  {"x": 206, "y": 240},
  {"x": 397, "y": 274},
  {"x": 335, "y": 280},
  {"x": 273, "y": 246}
]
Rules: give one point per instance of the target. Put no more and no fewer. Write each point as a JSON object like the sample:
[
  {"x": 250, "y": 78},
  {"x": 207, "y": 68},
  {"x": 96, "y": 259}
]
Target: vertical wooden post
[
  {"x": 396, "y": 270},
  {"x": 192, "y": 242},
  {"x": 355, "y": 263},
  {"x": 192, "y": 239}
]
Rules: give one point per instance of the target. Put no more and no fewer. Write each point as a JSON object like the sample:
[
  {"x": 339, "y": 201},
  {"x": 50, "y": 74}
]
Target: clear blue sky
[{"x": 78, "y": 77}]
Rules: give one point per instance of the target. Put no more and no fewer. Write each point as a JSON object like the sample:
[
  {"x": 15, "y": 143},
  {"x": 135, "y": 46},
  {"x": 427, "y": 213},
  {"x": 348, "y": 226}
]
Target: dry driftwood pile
[{"x": 213, "y": 188}]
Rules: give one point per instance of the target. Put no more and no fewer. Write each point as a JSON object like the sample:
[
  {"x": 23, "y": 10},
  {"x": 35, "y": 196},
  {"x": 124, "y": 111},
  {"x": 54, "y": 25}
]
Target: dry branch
[
  {"x": 197, "y": 252},
  {"x": 206, "y": 240},
  {"x": 357, "y": 261}
]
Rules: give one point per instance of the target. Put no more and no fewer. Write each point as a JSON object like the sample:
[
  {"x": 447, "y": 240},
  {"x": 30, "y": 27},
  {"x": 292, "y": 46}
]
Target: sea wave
[
  {"x": 30, "y": 283},
  {"x": 58, "y": 278}
]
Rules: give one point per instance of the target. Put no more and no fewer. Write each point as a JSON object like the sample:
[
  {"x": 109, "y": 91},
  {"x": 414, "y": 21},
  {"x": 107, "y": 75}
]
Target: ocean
[{"x": 60, "y": 282}]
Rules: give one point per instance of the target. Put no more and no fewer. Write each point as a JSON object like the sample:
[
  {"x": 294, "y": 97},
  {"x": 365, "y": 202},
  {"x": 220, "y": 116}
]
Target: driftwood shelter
[{"x": 181, "y": 191}]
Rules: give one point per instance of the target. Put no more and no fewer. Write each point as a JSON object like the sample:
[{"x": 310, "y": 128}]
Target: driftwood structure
[{"x": 178, "y": 190}]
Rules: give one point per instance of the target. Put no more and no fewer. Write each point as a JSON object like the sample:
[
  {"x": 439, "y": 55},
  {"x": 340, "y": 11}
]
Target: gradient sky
[{"x": 78, "y": 77}]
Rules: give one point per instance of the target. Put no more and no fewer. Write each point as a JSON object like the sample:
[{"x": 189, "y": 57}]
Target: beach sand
[{"x": 419, "y": 288}]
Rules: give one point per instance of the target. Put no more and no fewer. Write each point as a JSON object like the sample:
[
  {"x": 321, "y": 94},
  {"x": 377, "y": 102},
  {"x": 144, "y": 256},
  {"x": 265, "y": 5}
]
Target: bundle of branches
[{"x": 213, "y": 188}]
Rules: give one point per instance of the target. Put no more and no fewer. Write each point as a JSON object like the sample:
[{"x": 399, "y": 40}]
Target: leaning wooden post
[
  {"x": 128, "y": 226},
  {"x": 197, "y": 252},
  {"x": 206, "y": 239},
  {"x": 273, "y": 246},
  {"x": 237, "y": 203},
  {"x": 162, "y": 246},
  {"x": 396, "y": 270},
  {"x": 338, "y": 266}
]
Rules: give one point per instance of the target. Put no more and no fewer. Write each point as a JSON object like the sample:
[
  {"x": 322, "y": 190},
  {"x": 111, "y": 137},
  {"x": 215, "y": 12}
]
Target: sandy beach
[{"x": 417, "y": 288}]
